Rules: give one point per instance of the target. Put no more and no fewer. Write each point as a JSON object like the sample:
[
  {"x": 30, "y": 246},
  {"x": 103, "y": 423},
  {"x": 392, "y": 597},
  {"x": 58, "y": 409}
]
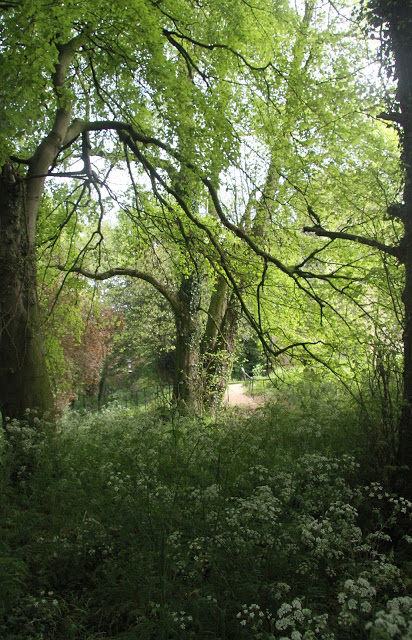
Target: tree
[
  {"x": 60, "y": 65},
  {"x": 78, "y": 333},
  {"x": 184, "y": 293},
  {"x": 393, "y": 20},
  {"x": 146, "y": 339},
  {"x": 118, "y": 96}
]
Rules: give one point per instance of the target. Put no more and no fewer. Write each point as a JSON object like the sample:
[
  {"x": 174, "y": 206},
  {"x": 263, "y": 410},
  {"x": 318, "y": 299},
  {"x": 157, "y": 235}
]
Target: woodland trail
[{"x": 236, "y": 396}]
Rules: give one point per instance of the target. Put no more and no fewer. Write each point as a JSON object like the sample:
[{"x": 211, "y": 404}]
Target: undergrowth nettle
[{"x": 149, "y": 528}]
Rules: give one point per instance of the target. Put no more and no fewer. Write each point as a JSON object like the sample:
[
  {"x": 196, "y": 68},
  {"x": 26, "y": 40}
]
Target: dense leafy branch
[
  {"x": 129, "y": 135},
  {"x": 132, "y": 139},
  {"x": 222, "y": 258},
  {"x": 332, "y": 370}
]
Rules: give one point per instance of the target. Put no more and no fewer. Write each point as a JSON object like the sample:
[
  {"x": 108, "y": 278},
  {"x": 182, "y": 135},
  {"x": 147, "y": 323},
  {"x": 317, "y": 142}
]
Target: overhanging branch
[
  {"x": 369, "y": 242},
  {"x": 132, "y": 273},
  {"x": 131, "y": 138}
]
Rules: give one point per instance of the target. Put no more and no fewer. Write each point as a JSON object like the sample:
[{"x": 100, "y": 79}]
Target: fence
[
  {"x": 254, "y": 386},
  {"x": 136, "y": 397},
  {"x": 152, "y": 395}
]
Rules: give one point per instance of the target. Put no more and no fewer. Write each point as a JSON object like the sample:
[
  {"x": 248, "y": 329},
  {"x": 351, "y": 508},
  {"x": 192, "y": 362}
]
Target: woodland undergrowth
[{"x": 146, "y": 525}]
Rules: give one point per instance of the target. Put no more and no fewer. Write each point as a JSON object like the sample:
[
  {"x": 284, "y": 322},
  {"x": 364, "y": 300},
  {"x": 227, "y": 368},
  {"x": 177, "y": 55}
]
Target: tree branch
[
  {"x": 392, "y": 116},
  {"x": 66, "y": 52},
  {"x": 50, "y": 146},
  {"x": 369, "y": 242},
  {"x": 125, "y": 271},
  {"x": 130, "y": 137},
  {"x": 79, "y": 126},
  {"x": 18, "y": 160},
  {"x": 211, "y": 47},
  {"x": 237, "y": 231}
]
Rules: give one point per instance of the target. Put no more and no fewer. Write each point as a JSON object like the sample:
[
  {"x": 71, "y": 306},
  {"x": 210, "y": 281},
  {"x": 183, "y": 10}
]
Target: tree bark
[
  {"x": 218, "y": 343},
  {"x": 396, "y": 15},
  {"x": 400, "y": 21},
  {"x": 24, "y": 381},
  {"x": 185, "y": 383}
]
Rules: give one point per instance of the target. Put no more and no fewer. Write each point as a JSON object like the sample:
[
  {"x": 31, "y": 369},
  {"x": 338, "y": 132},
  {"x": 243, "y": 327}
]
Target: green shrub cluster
[{"x": 130, "y": 525}]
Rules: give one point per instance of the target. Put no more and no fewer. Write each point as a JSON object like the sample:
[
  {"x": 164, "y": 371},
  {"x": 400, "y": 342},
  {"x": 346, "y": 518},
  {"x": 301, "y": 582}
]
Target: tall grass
[{"x": 132, "y": 525}]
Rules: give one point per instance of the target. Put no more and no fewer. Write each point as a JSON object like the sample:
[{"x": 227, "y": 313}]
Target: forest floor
[
  {"x": 128, "y": 523},
  {"x": 236, "y": 395}
]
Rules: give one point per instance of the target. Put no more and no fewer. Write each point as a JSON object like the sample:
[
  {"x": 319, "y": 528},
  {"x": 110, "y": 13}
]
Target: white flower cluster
[
  {"x": 357, "y": 600},
  {"x": 300, "y": 623},
  {"x": 45, "y": 598},
  {"x": 197, "y": 551},
  {"x": 89, "y": 538},
  {"x": 25, "y": 436},
  {"x": 321, "y": 479},
  {"x": 399, "y": 503},
  {"x": 383, "y": 574},
  {"x": 280, "y": 589},
  {"x": 117, "y": 481},
  {"x": 393, "y": 622},
  {"x": 259, "y": 474},
  {"x": 253, "y": 520},
  {"x": 252, "y": 615},
  {"x": 182, "y": 619},
  {"x": 329, "y": 536}
]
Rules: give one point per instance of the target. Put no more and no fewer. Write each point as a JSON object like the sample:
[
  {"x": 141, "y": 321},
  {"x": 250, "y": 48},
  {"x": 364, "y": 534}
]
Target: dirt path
[{"x": 235, "y": 396}]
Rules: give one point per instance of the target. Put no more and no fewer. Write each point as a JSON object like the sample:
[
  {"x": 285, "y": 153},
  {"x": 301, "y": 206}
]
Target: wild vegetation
[
  {"x": 193, "y": 191},
  {"x": 128, "y": 524}
]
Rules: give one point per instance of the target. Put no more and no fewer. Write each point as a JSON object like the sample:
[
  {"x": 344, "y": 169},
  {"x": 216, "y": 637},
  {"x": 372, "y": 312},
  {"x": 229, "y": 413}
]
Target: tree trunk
[
  {"x": 24, "y": 381},
  {"x": 218, "y": 343},
  {"x": 405, "y": 422},
  {"x": 226, "y": 345},
  {"x": 398, "y": 15},
  {"x": 185, "y": 385},
  {"x": 404, "y": 71}
]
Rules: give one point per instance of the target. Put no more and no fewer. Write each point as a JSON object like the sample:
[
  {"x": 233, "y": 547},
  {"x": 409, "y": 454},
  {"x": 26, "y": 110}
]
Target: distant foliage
[{"x": 78, "y": 335}]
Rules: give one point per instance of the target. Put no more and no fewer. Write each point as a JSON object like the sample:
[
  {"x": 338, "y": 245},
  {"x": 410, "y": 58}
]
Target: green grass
[{"x": 134, "y": 525}]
